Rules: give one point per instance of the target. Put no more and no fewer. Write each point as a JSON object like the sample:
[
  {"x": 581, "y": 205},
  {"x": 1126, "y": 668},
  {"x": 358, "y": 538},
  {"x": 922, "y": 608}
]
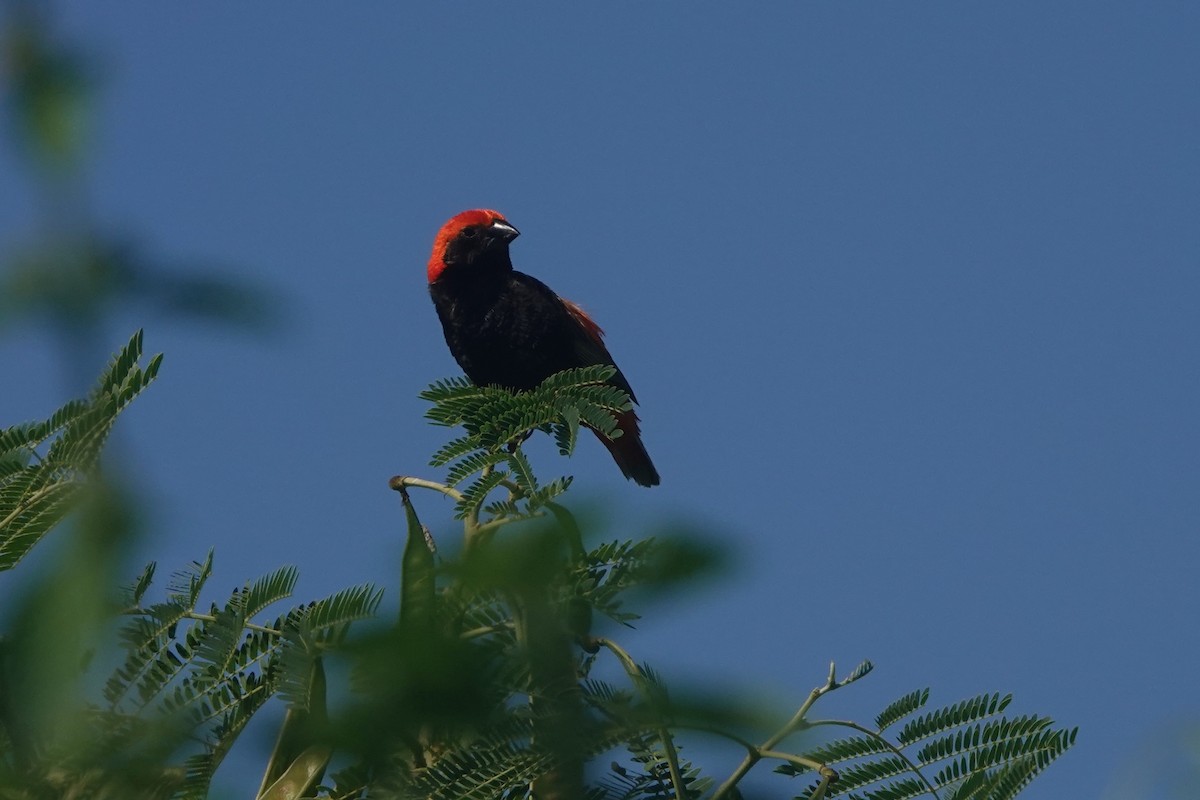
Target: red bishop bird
[{"x": 508, "y": 329}]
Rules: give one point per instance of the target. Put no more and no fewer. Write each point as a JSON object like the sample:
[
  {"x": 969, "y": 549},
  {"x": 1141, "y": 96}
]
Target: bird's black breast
[{"x": 513, "y": 332}]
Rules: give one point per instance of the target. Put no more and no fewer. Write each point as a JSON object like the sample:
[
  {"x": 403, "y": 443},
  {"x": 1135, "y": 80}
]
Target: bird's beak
[{"x": 504, "y": 231}]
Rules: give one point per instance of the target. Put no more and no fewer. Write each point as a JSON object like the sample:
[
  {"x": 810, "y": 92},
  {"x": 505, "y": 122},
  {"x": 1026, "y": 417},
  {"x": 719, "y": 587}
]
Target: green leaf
[
  {"x": 953, "y": 716},
  {"x": 269, "y": 589},
  {"x": 476, "y": 494},
  {"x": 472, "y": 464},
  {"x": 901, "y": 708},
  {"x": 861, "y": 671},
  {"x": 454, "y": 449},
  {"x": 418, "y": 588},
  {"x": 840, "y": 750},
  {"x": 38, "y": 493},
  {"x": 303, "y": 774},
  {"x": 566, "y": 433},
  {"x": 522, "y": 472},
  {"x": 139, "y": 587},
  {"x": 329, "y": 617}
]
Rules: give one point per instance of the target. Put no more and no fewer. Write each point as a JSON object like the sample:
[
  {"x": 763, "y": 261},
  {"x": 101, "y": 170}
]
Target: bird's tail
[{"x": 629, "y": 452}]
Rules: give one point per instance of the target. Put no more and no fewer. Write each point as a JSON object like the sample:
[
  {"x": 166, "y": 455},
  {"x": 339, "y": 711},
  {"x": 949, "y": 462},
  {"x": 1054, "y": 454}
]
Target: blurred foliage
[
  {"x": 496, "y": 680},
  {"x": 75, "y": 282},
  {"x": 48, "y": 90},
  {"x": 1164, "y": 766},
  {"x": 38, "y": 489},
  {"x": 71, "y": 274},
  {"x": 500, "y": 678}
]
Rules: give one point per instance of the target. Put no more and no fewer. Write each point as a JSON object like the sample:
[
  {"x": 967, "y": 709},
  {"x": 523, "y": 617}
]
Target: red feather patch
[
  {"x": 476, "y": 216},
  {"x": 587, "y": 323}
]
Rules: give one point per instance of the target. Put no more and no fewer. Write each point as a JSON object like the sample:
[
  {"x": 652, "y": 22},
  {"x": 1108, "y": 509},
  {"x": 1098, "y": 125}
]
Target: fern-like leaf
[
  {"x": 943, "y": 719},
  {"x": 863, "y": 669},
  {"x": 472, "y": 464},
  {"x": 548, "y": 493},
  {"x": 566, "y": 432},
  {"x": 454, "y": 450},
  {"x": 328, "y": 618},
  {"x": 839, "y": 751},
  {"x": 901, "y": 708},
  {"x": 137, "y": 590},
  {"x": 522, "y": 473},
  {"x": 269, "y": 589},
  {"x": 476, "y": 494},
  {"x": 866, "y": 773}
]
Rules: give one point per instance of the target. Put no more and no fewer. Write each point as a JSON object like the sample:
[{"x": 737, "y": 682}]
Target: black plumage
[{"x": 509, "y": 329}]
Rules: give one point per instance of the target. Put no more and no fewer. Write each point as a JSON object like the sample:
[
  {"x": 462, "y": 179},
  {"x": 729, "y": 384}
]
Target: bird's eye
[{"x": 469, "y": 233}]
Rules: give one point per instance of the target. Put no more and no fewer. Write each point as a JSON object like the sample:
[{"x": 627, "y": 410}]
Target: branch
[
  {"x": 399, "y": 482},
  {"x": 767, "y": 748},
  {"x": 196, "y": 616},
  {"x": 800, "y": 761},
  {"x": 484, "y": 630},
  {"x": 828, "y": 776},
  {"x": 639, "y": 680}
]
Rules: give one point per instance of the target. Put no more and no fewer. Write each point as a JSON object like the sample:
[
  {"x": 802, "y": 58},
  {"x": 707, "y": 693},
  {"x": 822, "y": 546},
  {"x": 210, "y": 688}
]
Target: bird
[{"x": 508, "y": 329}]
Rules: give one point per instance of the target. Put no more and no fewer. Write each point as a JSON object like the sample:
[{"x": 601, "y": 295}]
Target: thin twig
[
  {"x": 470, "y": 526},
  {"x": 398, "y": 482},
  {"x": 199, "y": 617},
  {"x": 791, "y": 758},
  {"x": 250, "y": 626},
  {"x": 639, "y": 680},
  {"x": 828, "y": 776},
  {"x": 795, "y": 723},
  {"x": 484, "y": 630}
]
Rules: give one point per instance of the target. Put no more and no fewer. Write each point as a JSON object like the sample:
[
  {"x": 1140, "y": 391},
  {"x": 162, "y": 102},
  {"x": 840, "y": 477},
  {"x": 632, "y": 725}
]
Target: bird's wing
[
  {"x": 594, "y": 331},
  {"x": 590, "y": 347}
]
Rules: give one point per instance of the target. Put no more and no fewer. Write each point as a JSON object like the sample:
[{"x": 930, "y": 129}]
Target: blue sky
[{"x": 908, "y": 293}]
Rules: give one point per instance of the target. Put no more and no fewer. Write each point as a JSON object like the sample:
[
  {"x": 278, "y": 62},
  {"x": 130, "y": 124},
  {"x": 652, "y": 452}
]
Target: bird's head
[{"x": 476, "y": 238}]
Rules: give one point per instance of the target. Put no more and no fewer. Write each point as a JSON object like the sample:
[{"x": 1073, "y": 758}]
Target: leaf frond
[{"x": 901, "y": 708}]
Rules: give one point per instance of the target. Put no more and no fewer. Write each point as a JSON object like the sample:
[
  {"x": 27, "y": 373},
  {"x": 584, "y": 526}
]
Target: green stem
[
  {"x": 797, "y": 719},
  {"x": 250, "y": 626},
  {"x": 198, "y": 617},
  {"x": 733, "y": 737},
  {"x": 756, "y": 754},
  {"x": 639, "y": 680},
  {"x": 631, "y": 667},
  {"x": 475, "y": 633},
  {"x": 496, "y": 524},
  {"x": 828, "y": 776},
  {"x": 400, "y": 481},
  {"x": 470, "y": 526},
  {"x": 32, "y": 499},
  {"x": 791, "y": 758}
]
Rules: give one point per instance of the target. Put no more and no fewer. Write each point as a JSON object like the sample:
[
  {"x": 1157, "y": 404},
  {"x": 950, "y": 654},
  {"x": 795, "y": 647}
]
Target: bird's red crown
[{"x": 453, "y": 227}]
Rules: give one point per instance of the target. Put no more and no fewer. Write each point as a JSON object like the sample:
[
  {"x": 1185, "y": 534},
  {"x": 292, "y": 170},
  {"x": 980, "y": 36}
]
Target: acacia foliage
[{"x": 502, "y": 677}]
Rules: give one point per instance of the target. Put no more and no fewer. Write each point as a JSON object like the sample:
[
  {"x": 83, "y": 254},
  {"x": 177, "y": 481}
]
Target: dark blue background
[{"x": 908, "y": 293}]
